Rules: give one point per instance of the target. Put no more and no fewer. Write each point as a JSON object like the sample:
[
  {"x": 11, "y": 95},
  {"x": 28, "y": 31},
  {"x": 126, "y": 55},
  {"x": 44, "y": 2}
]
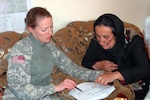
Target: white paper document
[{"x": 91, "y": 91}]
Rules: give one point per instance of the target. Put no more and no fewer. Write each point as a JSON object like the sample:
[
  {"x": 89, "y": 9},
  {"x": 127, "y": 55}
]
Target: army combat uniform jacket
[{"x": 30, "y": 65}]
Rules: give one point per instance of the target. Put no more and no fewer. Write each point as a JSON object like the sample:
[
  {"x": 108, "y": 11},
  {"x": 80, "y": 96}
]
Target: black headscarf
[{"x": 118, "y": 25}]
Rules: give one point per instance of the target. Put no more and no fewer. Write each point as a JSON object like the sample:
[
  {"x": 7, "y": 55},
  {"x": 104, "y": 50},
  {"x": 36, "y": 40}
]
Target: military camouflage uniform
[{"x": 30, "y": 66}]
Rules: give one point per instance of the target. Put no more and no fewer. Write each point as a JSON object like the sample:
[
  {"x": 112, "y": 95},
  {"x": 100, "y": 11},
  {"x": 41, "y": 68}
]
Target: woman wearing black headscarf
[{"x": 119, "y": 51}]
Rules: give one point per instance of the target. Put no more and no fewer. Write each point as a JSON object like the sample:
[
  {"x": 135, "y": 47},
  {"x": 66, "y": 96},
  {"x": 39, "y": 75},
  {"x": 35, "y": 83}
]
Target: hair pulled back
[{"x": 34, "y": 14}]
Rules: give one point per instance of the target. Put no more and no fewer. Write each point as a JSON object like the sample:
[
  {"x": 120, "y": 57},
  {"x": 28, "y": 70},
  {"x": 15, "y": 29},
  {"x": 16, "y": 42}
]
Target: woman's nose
[{"x": 50, "y": 31}]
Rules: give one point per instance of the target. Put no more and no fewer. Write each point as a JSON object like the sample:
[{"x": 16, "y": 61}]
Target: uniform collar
[{"x": 35, "y": 41}]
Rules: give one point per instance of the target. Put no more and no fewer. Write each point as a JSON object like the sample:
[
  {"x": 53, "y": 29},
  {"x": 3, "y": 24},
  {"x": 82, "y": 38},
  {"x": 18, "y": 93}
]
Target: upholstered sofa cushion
[{"x": 73, "y": 42}]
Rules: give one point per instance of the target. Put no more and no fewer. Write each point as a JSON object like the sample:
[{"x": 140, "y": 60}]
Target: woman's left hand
[{"x": 108, "y": 77}]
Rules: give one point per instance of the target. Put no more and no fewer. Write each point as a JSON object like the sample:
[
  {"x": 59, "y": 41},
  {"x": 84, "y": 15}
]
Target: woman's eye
[
  {"x": 106, "y": 37},
  {"x": 43, "y": 30}
]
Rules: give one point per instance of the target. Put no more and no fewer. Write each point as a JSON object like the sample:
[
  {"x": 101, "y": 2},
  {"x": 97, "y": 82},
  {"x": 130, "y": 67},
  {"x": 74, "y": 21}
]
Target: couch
[{"x": 73, "y": 40}]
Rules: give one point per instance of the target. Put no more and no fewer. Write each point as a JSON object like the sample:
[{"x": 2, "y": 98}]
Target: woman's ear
[{"x": 30, "y": 29}]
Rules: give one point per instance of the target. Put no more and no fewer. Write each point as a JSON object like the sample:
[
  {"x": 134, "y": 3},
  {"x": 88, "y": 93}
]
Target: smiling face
[
  {"x": 43, "y": 30},
  {"x": 105, "y": 36}
]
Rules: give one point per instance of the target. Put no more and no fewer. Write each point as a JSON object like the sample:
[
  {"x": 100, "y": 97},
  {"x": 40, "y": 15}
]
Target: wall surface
[{"x": 65, "y": 11}]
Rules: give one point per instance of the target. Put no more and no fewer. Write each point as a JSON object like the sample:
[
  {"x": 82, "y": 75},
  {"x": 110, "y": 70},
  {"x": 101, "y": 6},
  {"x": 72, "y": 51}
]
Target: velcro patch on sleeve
[{"x": 18, "y": 59}]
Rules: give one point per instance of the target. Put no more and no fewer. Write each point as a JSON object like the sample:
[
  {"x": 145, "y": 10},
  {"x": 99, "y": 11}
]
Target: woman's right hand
[
  {"x": 66, "y": 84},
  {"x": 106, "y": 65}
]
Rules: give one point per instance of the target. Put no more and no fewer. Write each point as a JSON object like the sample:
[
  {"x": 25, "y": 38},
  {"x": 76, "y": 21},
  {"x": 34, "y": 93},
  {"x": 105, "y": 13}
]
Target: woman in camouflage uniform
[{"x": 32, "y": 59}]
